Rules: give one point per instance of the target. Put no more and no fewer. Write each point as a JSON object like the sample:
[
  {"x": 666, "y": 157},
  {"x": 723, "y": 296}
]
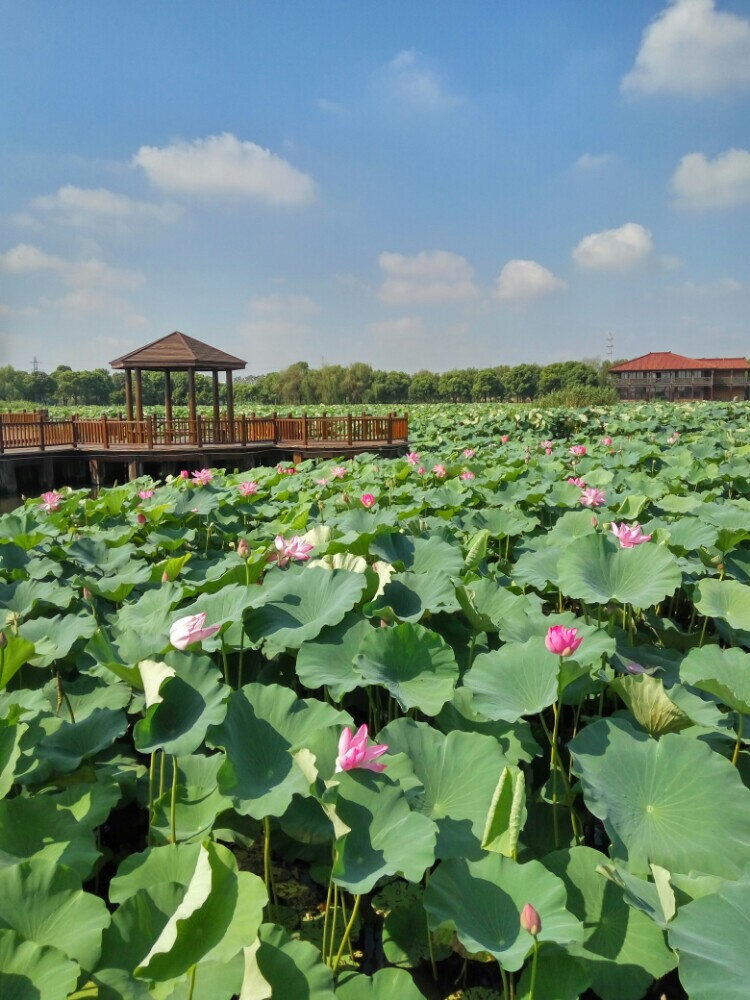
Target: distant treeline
[{"x": 564, "y": 382}]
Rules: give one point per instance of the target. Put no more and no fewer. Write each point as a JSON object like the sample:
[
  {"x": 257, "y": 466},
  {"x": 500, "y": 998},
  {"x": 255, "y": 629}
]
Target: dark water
[{"x": 10, "y": 503}]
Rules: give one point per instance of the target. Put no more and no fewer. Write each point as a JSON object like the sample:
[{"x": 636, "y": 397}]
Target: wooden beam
[
  {"x": 230, "y": 402},
  {"x": 217, "y": 412},
  {"x": 168, "y": 406},
  {"x": 128, "y": 394}
]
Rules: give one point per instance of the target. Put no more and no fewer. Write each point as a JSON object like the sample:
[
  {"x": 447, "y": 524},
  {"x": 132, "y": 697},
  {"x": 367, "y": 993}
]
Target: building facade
[{"x": 669, "y": 376}]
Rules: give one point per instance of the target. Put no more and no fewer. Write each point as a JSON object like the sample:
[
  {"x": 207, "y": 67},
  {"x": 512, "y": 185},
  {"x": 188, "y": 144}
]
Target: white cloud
[
  {"x": 692, "y": 48},
  {"x": 701, "y": 183},
  {"x": 396, "y": 329},
  {"x": 279, "y": 304},
  {"x": 614, "y": 249},
  {"x": 89, "y": 273},
  {"x": 18, "y": 311},
  {"x": 92, "y": 206},
  {"x": 721, "y": 286},
  {"x": 594, "y": 161},
  {"x": 84, "y": 301},
  {"x": 408, "y": 80},
  {"x": 223, "y": 165},
  {"x": 430, "y": 277},
  {"x": 524, "y": 280}
]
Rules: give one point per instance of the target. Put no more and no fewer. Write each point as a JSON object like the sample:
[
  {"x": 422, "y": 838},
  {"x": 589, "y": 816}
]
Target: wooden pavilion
[{"x": 177, "y": 353}]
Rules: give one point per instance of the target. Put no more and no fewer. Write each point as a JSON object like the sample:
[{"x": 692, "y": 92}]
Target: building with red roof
[{"x": 665, "y": 375}]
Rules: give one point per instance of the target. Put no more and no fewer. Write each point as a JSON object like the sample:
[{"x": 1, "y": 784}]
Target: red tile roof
[{"x": 667, "y": 361}]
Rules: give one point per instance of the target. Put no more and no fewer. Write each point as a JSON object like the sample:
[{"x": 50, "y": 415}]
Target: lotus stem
[
  {"x": 738, "y": 744},
  {"x": 325, "y": 919},
  {"x": 242, "y": 654},
  {"x": 471, "y": 649},
  {"x": 554, "y": 769},
  {"x": 62, "y": 697},
  {"x": 533, "y": 969},
  {"x": 504, "y": 977},
  {"x": 333, "y": 922},
  {"x": 703, "y": 631},
  {"x": 151, "y": 784},
  {"x": 267, "y": 869},
  {"x": 173, "y": 804},
  {"x": 192, "y": 982},
  {"x": 225, "y": 664},
  {"x": 346, "y": 921}
]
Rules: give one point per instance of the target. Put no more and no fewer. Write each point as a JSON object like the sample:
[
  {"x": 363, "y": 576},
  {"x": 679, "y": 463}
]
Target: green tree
[
  {"x": 456, "y": 385},
  {"x": 486, "y": 385},
  {"x": 424, "y": 387},
  {"x": 522, "y": 381}
]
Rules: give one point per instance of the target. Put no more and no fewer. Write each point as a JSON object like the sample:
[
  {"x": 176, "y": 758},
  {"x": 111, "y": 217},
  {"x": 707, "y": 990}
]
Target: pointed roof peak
[{"x": 177, "y": 351}]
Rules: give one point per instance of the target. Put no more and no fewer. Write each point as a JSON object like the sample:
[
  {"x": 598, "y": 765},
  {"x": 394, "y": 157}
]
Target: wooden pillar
[
  {"x": 94, "y": 473},
  {"x": 135, "y": 469},
  {"x": 128, "y": 394},
  {"x": 192, "y": 411},
  {"x": 138, "y": 395},
  {"x": 217, "y": 412},
  {"x": 230, "y": 403},
  {"x": 168, "y": 407}
]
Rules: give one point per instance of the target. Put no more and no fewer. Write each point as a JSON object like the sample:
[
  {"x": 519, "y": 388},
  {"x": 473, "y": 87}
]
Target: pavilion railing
[{"x": 156, "y": 433}]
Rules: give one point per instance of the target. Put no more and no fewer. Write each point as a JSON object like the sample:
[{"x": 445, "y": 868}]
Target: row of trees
[{"x": 299, "y": 384}]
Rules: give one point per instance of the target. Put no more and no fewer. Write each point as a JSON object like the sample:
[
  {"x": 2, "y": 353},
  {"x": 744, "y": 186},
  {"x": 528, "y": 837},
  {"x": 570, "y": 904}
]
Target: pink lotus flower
[
  {"x": 413, "y": 457},
  {"x": 421, "y": 470},
  {"x": 562, "y": 641},
  {"x": 577, "y": 450},
  {"x": 439, "y": 471},
  {"x": 185, "y": 631},
  {"x": 504, "y": 438},
  {"x": 530, "y": 920},
  {"x": 145, "y": 494},
  {"x": 322, "y": 482},
  {"x": 243, "y": 549},
  {"x": 50, "y": 501},
  {"x": 165, "y": 577},
  {"x": 248, "y": 488},
  {"x": 288, "y": 471},
  {"x": 294, "y": 548},
  {"x": 140, "y": 518},
  {"x": 607, "y": 441},
  {"x": 546, "y": 445},
  {"x": 547, "y": 451},
  {"x": 354, "y": 752},
  {"x": 592, "y": 497},
  {"x": 338, "y": 472},
  {"x": 636, "y": 668},
  {"x": 577, "y": 481},
  {"x": 368, "y": 500},
  {"x": 203, "y": 476},
  {"x": 469, "y": 452},
  {"x": 467, "y": 474},
  {"x": 629, "y": 535},
  {"x": 184, "y": 474}
]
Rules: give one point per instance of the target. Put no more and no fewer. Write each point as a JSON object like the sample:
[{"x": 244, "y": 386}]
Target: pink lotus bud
[
  {"x": 368, "y": 500},
  {"x": 594, "y": 521},
  {"x": 562, "y": 640},
  {"x": 504, "y": 438},
  {"x": 141, "y": 518},
  {"x": 547, "y": 451},
  {"x": 421, "y": 470},
  {"x": 165, "y": 577},
  {"x": 354, "y": 752},
  {"x": 185, "y": 631},
  {"x": 243, "y": 549},
  {"x": 184, "y": 474},
  {"x": 530, "y": 920},
  {"x": 86, "y": 593},
  {"x": 607, "y": 441}
]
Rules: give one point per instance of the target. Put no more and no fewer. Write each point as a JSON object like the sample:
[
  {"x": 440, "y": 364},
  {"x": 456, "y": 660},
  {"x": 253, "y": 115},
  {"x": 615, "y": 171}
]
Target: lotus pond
[{"x": 542, "y": 618}]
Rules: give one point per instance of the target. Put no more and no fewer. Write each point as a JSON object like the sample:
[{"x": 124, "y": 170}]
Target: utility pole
[{"x": 610, "y": 346}]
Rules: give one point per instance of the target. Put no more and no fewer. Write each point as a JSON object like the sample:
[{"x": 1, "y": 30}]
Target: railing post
[
  {"x": 275, "y": 427},
  {"x": 149, "y": 434},
  {"x": 41, "y": 435},
  {"x": 199, "y": 430},
  {"x": 105, "y": 431},
  {"x": 74, "y": 426},
  {"x": 243, "y": 430},
  {"x": 349, "y": 428},
  {"x": 304, "y": 429},
  {"x": 390, "y": 428}
]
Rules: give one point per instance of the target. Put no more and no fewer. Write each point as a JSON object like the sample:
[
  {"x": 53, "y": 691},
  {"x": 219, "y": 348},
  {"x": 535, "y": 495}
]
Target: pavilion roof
[
  {"x": 178, "y": 352},
  {"x": 661, "y": 361}
]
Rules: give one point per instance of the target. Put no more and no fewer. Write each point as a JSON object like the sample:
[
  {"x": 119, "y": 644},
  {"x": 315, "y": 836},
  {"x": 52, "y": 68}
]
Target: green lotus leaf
[
  {"x": 515, "y": 739},
  {"x": 264, "y": 726},
  {"x": 31, "y": 972},
  {"x": 10, "y": 751},
  {"x": 190, "y": 701},
  {"x": 516, "y": 680},
  {"x": 623, "y": 950},
  {"x": 329, "y": 660},
  {"x": 198, "y": 801},
  {"x": 108, "y": 656},
  {"x": 72, "y": 743},
  {"x": 488, "y": 605},
  {"x": 36, "y": 827},
  {"x": 173, "y": 863},
  {"x": 538, "y": 568},
  {"x": 650, "y": 704},
  {"x": 691, "y": 533},
  {"x": 420, "y": 555},
  {"x": 298, "y": 606},
  {"x": 560, "y": 976},
  {"x": 23, "y": 596},
  {"x": 226, "y": 605},
  {"x": 484, "y": 900},
  {"x": 671, "y": 802},
  {"x": 86, "y": 693},
  {"x": 416, "y": 666},
  {"x": 278, "y": 967},
  {"x": 597, "y": 570},
  {"x": 507, "y": 813},
  {"x": 724, "y": 673},
  {"x": 18, "y": 650},
  {"x": 385, "y": 836},
  {"x": 725, "y": 599},
  {"x": 387, "y": 984},
  {"x": 44, "y": 903},
  {"x": 710, "y": 935},
  {"x": 117, "y": 586},
  {"x": 407, "y": 597},
  {"x": 458, "y": 772}
]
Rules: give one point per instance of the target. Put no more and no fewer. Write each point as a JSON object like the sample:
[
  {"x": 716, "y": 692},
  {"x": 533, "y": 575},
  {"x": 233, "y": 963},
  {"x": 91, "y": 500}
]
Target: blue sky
[{"x": 410, "y": 184}]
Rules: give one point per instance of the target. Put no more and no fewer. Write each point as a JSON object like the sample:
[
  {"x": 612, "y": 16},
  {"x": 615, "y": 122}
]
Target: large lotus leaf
[
  {"x": 10, "y": 751},
  {"x": 516, "y": 680},
  {"x": 674, "y": 803},
  {"x": 108, "y": 656},
  {"x": 488, "y": 605},
  {"x": 264, "y": 726},
  {"x": 690, "y": 533},
  {"x": 86, "y": 693},
  {"x": 172, "y": 863},
  {"x": 385, "y": 836},
  {"x": 23, "y": 596},
  {"x": 458, "y": 773},
  {"x": 44, "y": 903},
  {"x": 216, "y": 917},
  {"x": 31, "y": 972},
  {"x": 650, "y": 703},
  {"x": 329, "y": 660},
  {"x": 387, "y": 984},
  {"x": 515, "y": 739},
  {"x": 278, "y": 967},
  {"x": 560, "y": 976},
  {"x": 623, "y": 949},
  {"x": 190, "y": 701},
  {"x": 18, "y": 650},
  {"x": 71, "y": 743},
  {"x": 407, "y": 597},
  {"x": 414, "y": 664},
  {"x": 421, "y": 555},
  {"x": 597, "y": 570},
  {"x": 725, "y": 599},
  {"x": 226, "y": 605},
  {"x": 141, "y": 628},
  {"x": 711, "y": 934},
  {"x": 95, "y": 555},
  {"x": 298, "y": 606},
  {"x": 484, "y": 900},
  {"x": 724, "y": 673},
  {"x": 117, "y": 586},
  {"x": 502, "y": 521},
  {"x": 198, "y": 800},
  {"x": 407, "y": 940},
  {"x": 538, "y": 568},
  {"x": 37, "y": 827}
]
